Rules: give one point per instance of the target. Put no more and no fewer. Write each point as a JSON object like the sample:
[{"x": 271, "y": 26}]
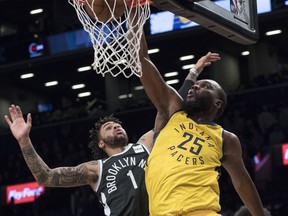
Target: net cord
[{"x": 116, "y": 42}]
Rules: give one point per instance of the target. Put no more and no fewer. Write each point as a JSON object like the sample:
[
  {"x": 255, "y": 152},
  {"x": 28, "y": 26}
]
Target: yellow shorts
[{"x": 194, "y": 213}]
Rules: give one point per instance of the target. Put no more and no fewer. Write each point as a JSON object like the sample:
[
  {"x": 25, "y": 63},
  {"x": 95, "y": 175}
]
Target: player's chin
[
  {"x": 190, "y": 98},
  {"x": 121, "y": 136}
]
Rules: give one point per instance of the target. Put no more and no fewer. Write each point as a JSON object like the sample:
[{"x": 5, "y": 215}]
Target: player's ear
[
  {"x": 101, "y": 144},
  {"x": 218, "y": 103}
]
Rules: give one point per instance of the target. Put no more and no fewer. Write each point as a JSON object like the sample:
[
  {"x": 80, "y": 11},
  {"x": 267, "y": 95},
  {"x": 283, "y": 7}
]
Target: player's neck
[
  {"x": 202, "y": 117},
  {"x": 113, "y": 151}
]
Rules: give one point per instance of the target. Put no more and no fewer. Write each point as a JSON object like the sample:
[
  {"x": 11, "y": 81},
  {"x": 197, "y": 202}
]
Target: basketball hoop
[{"x": 116, "y": 41}]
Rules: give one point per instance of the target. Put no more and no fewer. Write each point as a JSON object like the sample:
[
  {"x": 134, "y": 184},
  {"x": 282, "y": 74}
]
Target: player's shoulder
[
  {"x": 230, "y": 140},
  {"x": 139, "y": 148},
  {"x": 229, "y": 136}
]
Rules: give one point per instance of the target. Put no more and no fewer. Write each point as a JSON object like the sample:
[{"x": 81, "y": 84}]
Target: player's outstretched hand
[
  {"x": 18, "y": 126},
  {"x": 206, "y": 60}
]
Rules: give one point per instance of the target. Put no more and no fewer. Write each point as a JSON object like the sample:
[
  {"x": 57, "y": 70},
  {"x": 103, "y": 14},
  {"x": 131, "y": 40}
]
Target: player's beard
[
  {"x": 199, "y": 105},
  {"x": 116, "y": 141}
]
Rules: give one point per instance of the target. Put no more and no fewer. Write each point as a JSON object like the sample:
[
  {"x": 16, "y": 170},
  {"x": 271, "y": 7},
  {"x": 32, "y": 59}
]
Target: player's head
[
  {"x": 107, "y": 132},
  {"x": 206, "y": 96}
]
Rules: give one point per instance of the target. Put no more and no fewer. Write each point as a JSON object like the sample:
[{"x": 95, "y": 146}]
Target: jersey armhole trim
[
  {"x": 100, "y": 175},
  {"x": 144, "y": 146}
]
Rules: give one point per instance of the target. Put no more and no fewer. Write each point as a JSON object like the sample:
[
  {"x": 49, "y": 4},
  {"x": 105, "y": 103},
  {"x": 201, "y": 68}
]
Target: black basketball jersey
[{"x": 121, "y": 186}]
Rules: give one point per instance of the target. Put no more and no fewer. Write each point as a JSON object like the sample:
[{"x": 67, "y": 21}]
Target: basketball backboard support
[{"x": 238, "y": 23}]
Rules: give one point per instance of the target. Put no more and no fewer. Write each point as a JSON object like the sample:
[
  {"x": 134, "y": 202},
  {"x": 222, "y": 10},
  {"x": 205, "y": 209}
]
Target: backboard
[{"x": 234, "y": 19}]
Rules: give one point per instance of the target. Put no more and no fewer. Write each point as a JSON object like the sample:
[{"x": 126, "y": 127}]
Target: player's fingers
[
  {"x": 214, "y": 54},
  {"x": 19, "y": 111},
  {"x": 214, "y": 58},
  {"x": 207, "y": 63},
  {"x": 8, "y": 120},
  {"x": 12, "y": 111},
  {"x": 29, "y": 119}
]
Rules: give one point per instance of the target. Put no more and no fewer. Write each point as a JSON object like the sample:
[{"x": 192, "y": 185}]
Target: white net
[{"x": 116, "y": 41}]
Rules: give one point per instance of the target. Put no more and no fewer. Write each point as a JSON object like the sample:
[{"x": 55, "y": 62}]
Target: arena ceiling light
[
  {"x": 26, "y": 76},
  {"x": 51, "y": 83},
  {"x": 137, "y": 88},
  {"x": 171, "y": 82},
  {"x": 187, "y": 57},
  {"x": 245, "y": 53},
  {"x": 84, "y": 94},
  {"x": 188, "y": 66},
  {"x": 171, "y": 74},
  {"x": 78, "y": 86},
  {"x": 152, "y": 51},
  {"x": 36, "y": 11},
  {"x": 273, "y": 32},
  {"x": 125, "y": 96},
  {"x": 85, "y": 68}
]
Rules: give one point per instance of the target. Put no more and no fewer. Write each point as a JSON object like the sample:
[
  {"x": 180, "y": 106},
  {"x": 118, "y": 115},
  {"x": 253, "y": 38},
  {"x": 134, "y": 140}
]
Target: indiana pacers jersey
[
  {"x": 121, "y": 186},
  {"x": 183, "y": 168}
]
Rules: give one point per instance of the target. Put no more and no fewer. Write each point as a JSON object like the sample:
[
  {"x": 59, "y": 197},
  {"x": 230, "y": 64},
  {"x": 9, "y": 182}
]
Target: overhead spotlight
[
  {"x": 152, "y": 51},
  {"x": 286, "y": 2},
  {"x": 138, "y": 88},
  {"x": 171, "y": 82},
  {"x": 170, "y": 74},
  {"x": 84, "y": 94},
  {"x": 26, "y": 76},
  {"x": 36, "y": 11},
  {"x": 186, "y": 67},
  {"x": 125, "y": 96},
  {"x": 85, "y": 68},
  {"x": 274, "y": 32},
  {"x": 78, "y": 86},
  {"x": 187, "y": 57},
  {"x": 245, "y": 53},
  {"x": 52, "y": 83}
]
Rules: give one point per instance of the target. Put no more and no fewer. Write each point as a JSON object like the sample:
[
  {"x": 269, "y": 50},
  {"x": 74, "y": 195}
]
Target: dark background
[{"x": 255, "y": 84}]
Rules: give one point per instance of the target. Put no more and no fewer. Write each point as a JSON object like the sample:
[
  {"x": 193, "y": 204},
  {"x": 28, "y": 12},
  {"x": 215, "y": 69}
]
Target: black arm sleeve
[{"x": 183, "y": 91}]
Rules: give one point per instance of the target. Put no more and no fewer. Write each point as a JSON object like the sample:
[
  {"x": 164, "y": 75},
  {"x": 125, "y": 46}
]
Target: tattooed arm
[{"x": 83, "y": 174}]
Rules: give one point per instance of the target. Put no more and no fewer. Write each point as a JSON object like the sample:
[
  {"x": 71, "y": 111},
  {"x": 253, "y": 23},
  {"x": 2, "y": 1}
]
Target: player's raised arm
[
  {"x": 165, "y": 98},
  {"x": 83, "y": 174},
  {"x": 195, "y": 71}
]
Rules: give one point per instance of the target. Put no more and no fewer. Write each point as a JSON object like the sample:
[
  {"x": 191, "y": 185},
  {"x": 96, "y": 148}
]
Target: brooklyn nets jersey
[
  {"x": 121, "y": 186},
  {"x": 183, "y": 168}
]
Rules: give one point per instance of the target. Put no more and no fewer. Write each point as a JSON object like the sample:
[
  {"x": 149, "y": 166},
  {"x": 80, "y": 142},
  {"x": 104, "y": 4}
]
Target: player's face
[
  {"x": 113, "y": 135},
  {"x": 200, "y": 97}
]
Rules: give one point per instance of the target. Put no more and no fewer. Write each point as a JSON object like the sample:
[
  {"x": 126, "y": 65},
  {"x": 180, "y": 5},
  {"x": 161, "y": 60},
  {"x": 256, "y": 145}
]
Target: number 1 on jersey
[{"x": 130, "y": 174}]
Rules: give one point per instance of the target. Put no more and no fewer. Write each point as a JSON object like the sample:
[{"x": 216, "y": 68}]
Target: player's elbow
[{"x": 43, "y": 177}]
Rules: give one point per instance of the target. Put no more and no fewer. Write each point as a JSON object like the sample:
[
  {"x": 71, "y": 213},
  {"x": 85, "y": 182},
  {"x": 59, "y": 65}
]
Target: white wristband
[
  {"x": 194, "y": 71},
  {"x": 193, "y": 74}
]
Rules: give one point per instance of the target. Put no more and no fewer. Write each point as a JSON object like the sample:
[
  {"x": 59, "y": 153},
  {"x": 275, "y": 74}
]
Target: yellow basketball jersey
[{"x": 183, "y": 168}]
